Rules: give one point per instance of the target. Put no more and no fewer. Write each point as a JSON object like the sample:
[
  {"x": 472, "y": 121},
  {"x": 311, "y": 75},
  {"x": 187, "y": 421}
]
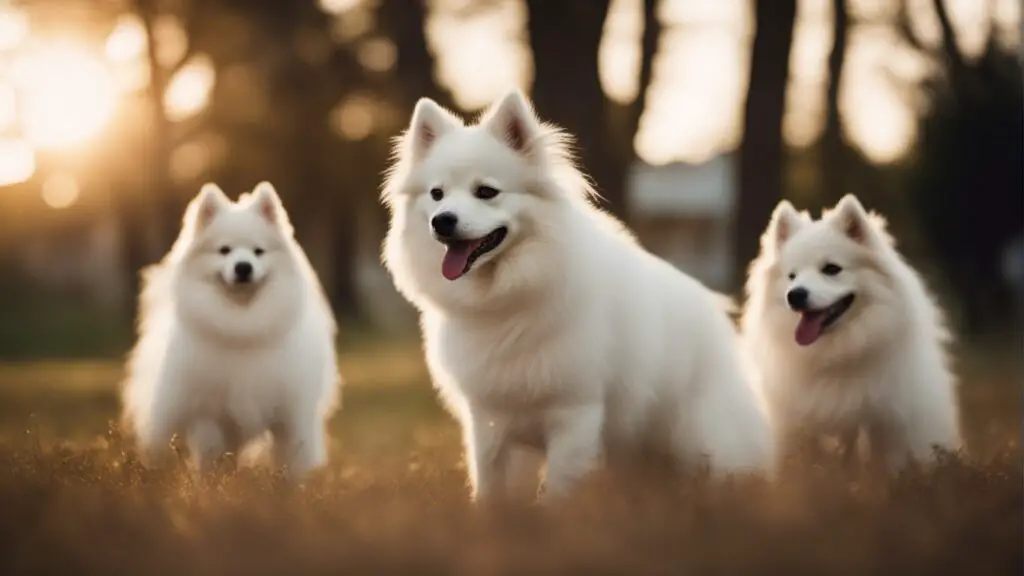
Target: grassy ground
[{"x": 393, "y": 500}]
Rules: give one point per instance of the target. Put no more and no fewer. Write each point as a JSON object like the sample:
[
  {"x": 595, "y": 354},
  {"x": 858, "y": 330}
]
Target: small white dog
[
  {"x": 236, "y": 339},
  {"x": 846, "y": 336},
  {"x": 545, "y": 324}
]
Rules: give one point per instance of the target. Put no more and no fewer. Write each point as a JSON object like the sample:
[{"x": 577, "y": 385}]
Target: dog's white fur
[
  {"x": 881, "y": 367},
  {"x": 228, "y": 364},
  {"x": 569, "y": 337}
]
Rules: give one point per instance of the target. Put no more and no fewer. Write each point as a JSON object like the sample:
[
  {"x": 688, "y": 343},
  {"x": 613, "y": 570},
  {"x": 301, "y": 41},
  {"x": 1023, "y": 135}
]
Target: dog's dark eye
[
  {"x": 436, "y": 193},
  {"x": 830, "y": 269},
  {"x": 258, "y": 251},
  {"x": 792, "y": 275},
  {"x": 486, "y": 192},
  {"x": 224, "y": 250}
]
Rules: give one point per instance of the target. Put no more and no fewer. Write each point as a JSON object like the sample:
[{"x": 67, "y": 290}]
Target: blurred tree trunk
[
  {"x": 761, "y": 152},
  {"x": 834, "y": 161},
  {"x": 405, "y": 21},
  {"x": 149, "y": 224},
  {"x": 624, "y": 119},
  {"x": 567, "y": 86},
  {"x": 165, "y": 134}
]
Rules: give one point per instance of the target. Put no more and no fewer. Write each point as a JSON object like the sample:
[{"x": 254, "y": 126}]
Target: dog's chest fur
[
  {"x": 244, "y": 387},
  {"x": 832, "y": 400},
  {"x": 515, "y": 365}
]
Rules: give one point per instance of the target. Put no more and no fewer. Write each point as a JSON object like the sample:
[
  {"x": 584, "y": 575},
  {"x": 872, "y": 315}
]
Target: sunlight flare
[
  {"x": 67, "y": 94},
  {"x": 14, "y": 27},
  {"x": 17, "y": 162}
]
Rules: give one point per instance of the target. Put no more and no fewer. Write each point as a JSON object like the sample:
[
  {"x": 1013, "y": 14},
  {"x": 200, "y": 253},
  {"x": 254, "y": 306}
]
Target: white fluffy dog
[
  {"x": 236, "y": 339},
  {"x": 546, "y": 325},
  {"x": 847, "y": 337}
]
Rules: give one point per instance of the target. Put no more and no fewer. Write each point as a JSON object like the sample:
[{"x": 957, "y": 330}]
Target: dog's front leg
[
  {"x": 486, "y": 439},
  {"x": 573, "y": 447},
  {"x": 206, "y": 442},
  {"x": 889, "y": 449},
  {"x": 300, "y": 446}
]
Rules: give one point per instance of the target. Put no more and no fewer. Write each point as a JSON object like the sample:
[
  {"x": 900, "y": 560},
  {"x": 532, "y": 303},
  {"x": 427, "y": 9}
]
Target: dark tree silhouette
[
  {"x": 624, "y": 119},
  {"x": 404, "y": 21},
  {"x": 968, "y": 178},
  {"x": 761, "y": 152},
  {"x": 567, "y": 87},
  {"x": 149, "y": 221},
  {"x": 834, "y": 159}
]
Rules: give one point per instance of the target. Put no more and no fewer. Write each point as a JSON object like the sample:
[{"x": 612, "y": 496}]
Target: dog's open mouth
[
  {"x": 814, "y": 322},
  {"x": 460, "y": 255}
]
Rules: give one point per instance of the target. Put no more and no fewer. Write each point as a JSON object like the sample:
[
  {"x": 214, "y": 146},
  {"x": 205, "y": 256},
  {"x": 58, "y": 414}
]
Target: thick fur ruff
[
  {"x": 228, "y": 361},
  {"x": 880, "y": 367},
  {"x": 567, "y": 336}
]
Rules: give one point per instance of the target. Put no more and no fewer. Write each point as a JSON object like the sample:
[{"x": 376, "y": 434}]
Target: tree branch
[
  {"x": 906, "y": 30},
  {"x": 950, "y": 46},
  {"x": 648, "y": 50}
]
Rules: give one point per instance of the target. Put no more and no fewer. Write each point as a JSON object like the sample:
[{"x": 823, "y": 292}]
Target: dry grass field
[{"x": 74, "y": 500}]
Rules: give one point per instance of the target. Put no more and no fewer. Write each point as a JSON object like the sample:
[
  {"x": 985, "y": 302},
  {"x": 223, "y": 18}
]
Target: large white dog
[
  {"x": 847, "y": 337},
  {"x": 545, "y": 323},
  {"x": 236, "y": 339}
]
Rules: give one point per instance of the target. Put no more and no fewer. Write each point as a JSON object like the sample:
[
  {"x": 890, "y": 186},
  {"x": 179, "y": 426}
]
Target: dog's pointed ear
[
  {"x": 210, "y": 201},
  {"x": 268, "y": 204},
  {"x": 513, "y": 121},
  {"x": 784, "y": 223},
  {"x": 429, "y": 122},
  {"x": 850, "y": 217}
]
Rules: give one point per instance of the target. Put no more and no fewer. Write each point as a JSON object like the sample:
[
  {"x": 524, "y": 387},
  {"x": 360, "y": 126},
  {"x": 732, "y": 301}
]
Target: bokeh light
[
  {"x": 619, "y": 52},
  {"x": 60, "y": 191},
  {"x": 338, "y": 6},
  {"x": 377, "y": 54},
  {"x": 67, "y": 94},
  {"x": 353, "y": 118},
  {"x": 499, "y": 57},
  {"x": 189, "y": 89},
  {"x": 127, "y": 41},
  {"x": 17, "y": 161}
]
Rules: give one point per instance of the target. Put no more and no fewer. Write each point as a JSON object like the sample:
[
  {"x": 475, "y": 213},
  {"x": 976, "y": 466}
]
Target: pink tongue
[
  {"x": 456, "y": 257},
  {"x": 809, "y": 329}
]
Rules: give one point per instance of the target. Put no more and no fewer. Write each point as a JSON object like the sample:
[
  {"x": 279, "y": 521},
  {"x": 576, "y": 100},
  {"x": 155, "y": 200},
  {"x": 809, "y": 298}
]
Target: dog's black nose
[
  {"x": 797, "y": 298},
  {"x": 444, "y": 224},
  {"x": 243, "y": 271}
]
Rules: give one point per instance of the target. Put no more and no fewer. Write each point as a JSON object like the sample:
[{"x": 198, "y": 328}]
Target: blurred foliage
[{"x": 968, "y": 180}]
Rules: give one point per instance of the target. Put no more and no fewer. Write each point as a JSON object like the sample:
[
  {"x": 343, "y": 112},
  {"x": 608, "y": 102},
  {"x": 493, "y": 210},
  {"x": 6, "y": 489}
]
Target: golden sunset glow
[
  {"x": 17, "y": 162},
  {"x": 67, "y": 94},
  {"x": 59, "y": 95},
  {"x": 14, "y": 27},
  {"x": 127, "y": 41}
]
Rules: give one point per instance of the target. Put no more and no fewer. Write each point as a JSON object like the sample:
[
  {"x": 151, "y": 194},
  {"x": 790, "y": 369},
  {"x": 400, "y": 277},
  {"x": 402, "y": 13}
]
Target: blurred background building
[{"x": 694, "y": 116}]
